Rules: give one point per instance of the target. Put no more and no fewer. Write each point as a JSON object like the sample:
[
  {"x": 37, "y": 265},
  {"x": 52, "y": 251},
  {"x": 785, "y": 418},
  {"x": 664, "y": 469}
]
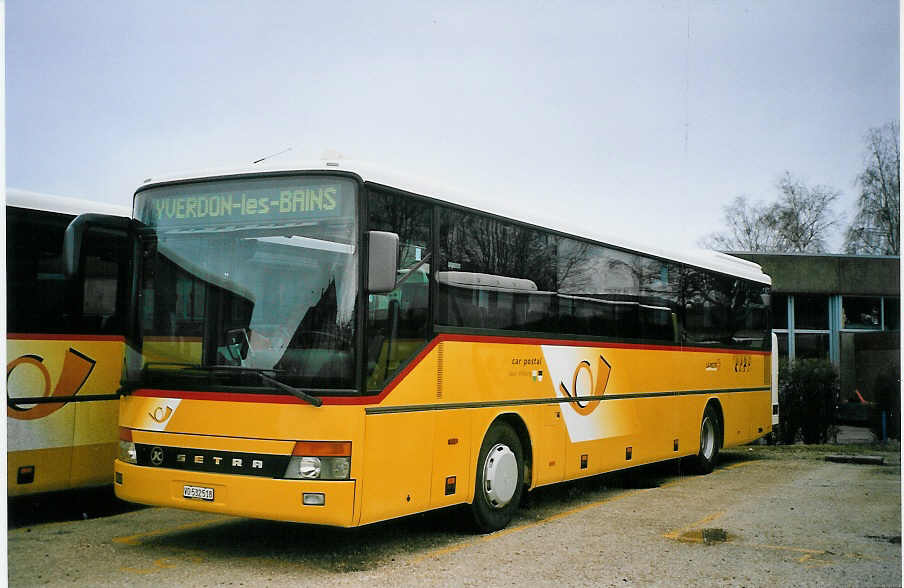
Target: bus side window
[
  {"x": 102, "y": 304},
  {"x": 398, "y": 322},
  {"x": 37, "y": 292},
  {"x": 493, "y": 274}
]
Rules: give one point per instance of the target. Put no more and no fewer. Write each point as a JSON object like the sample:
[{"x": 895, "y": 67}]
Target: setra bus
[
  {"x": 331, "y": 344},
  {"x": 64, "y": 344}
]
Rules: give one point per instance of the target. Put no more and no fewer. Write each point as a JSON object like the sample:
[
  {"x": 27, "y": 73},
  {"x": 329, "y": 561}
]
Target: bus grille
[{"x": 206, "y": 460}]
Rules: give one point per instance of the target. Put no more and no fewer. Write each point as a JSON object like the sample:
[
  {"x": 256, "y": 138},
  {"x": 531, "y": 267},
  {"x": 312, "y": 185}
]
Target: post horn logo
[
  {"x": 161, "y": 414},
  {"x": 76, "y": 369},
  {"x": 586, "y": 396}
]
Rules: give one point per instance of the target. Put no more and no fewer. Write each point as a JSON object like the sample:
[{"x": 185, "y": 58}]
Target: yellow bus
[
  {"x": 331, "y": 344},
  {"x": 64, "y": 344}
]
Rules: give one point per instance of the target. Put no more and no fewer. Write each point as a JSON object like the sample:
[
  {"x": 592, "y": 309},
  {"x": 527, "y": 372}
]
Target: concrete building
[{"x": 845, "y": 308}]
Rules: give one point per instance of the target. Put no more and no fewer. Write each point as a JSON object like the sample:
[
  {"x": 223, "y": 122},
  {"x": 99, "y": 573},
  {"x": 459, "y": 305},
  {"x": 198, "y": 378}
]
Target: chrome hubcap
[
  {"x": 500, "y": 475},
  {"x": 707, "y": 439}
]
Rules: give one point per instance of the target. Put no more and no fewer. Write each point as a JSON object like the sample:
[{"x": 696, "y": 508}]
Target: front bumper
[{"x": 245, "y": 496}]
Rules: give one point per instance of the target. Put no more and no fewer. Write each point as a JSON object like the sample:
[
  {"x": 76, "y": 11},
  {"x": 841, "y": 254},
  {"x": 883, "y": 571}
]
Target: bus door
[{"x": 102, "y": 309}]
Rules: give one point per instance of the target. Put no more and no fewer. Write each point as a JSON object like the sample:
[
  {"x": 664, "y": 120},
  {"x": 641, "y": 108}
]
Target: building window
[
  {"x": 811, "y": 346},
  {"x": 811, "y": 312},
  {"x": 779, "y": 311},
  {"x": 892, "y": 314},
  {"x": 802, "y": 325},
  {"x": 861, "y": 313}
]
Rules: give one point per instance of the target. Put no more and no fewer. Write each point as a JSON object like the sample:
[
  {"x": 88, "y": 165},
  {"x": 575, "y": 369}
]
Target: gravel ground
[{"x": 767, "y": 515}]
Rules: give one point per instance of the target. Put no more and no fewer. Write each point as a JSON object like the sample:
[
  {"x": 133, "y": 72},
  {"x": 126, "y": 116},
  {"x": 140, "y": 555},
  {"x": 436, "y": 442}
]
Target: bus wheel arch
[
  {"x": 712, "y": 437},
  {"x": 500, "y": 475},
  {"x": 717, "y": 406},
  {"x": 515, "y": 422}
]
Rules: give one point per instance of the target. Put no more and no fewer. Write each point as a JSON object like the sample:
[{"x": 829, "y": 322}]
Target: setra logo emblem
[
  {"x": 157, "y": 456},
  {"x": 161, "y": 414}
]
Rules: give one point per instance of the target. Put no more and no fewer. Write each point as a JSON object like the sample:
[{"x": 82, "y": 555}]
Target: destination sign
[{"x": 254, "y": 200}]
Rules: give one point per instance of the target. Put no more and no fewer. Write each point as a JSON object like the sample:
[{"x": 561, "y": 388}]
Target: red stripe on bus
[
  {"x": 227, "y": 396},
  {"x": 63, "y": 337},
  {"x": 378, "y": 398}
]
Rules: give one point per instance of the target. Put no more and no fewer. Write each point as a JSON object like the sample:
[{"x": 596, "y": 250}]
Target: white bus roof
[
  {"x": 711, "y": 260},
  {"x": 61, "y": 204}
]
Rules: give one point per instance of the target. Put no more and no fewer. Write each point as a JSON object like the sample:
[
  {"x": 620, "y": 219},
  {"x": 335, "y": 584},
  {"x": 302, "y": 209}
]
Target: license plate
[{"x": 197, "y": 493}]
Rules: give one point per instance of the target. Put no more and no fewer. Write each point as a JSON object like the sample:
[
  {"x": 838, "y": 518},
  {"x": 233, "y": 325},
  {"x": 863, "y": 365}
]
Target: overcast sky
[{"x": 635, "y": 119}]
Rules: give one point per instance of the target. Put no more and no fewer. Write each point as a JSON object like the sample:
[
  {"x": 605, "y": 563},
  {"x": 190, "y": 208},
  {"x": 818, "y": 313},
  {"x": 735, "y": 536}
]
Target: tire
[
  {"x": 710, "y": 442},
  {"x": 499, "y": 481}
]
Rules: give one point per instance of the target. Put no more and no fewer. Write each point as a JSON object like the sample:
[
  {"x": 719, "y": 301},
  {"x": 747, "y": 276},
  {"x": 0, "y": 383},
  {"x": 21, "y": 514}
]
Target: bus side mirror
[
  {"x": 75, "y": 236},
  {"x": 382, "y": 262}
]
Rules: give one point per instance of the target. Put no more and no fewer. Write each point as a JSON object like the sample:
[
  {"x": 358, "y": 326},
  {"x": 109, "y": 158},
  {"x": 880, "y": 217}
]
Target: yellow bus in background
[
  {"x": 331, "y": 344},
  {"x": 64, "y": 342}
]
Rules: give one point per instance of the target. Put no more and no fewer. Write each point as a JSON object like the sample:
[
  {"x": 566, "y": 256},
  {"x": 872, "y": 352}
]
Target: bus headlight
[
  {"x": 127, "y": 452},
  {"x": 311, "y": 467},
  {"x": 320, "y": 460}
]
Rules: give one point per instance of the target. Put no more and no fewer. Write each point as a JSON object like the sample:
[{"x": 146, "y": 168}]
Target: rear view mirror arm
[{"x": 401, "y": 280}]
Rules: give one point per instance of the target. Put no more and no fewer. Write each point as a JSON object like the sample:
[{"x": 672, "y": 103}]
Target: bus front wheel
[
  {"x": 710, "y": 442},
  {"x": 499, "y": 482}
]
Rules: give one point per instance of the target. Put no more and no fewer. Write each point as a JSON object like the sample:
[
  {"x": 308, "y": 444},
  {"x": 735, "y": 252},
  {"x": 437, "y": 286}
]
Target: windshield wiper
[{"x": 296, "y": 392}]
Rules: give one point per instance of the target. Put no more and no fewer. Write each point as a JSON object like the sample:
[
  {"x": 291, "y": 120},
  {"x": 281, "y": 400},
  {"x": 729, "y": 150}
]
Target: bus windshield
[{"x": 247, "y": 274}]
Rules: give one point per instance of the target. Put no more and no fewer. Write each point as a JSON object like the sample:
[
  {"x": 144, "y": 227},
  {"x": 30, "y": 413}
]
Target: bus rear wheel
[
  {"x": 710, "y": 442},
  {"x": 499, "y": 482}
]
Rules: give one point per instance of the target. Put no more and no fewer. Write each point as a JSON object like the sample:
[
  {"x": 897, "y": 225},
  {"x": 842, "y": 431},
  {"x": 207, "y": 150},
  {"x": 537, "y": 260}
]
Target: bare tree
[
  {"x": 799, "y": 222},
  {"x": 748, "y": 228},
  {"x": 876, "y": 228},
  {"x": 802, "y": 218}
]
